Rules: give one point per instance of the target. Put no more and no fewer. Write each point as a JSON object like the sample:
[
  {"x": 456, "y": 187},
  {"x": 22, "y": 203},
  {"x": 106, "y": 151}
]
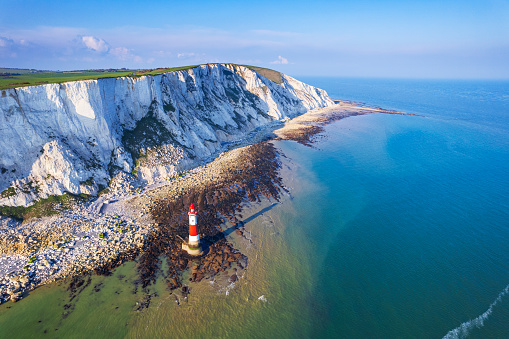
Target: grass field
[
  {"x": 163, "y": 70},
  {"x": 268, "y": 73},
  {"x": 12, "y": 78},
  {"x": 18, "y": 78}
]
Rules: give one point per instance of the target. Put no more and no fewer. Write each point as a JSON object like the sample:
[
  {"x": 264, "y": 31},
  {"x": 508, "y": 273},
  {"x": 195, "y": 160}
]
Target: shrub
[
  {"x": 42, "y": 208},
  {"x": 88, "y": 182},
  {"x": 9, "y": 192},
  {"x": 104, "y": 191}
]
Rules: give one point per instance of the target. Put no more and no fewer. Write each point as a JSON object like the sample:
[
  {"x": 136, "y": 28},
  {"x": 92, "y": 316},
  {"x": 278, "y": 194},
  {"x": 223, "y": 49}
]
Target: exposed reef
[{"x": 245, "y": 174}]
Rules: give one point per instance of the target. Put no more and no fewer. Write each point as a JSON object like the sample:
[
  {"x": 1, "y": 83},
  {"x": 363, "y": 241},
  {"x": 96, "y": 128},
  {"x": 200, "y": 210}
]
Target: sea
[{"x": 395, "y": 226}]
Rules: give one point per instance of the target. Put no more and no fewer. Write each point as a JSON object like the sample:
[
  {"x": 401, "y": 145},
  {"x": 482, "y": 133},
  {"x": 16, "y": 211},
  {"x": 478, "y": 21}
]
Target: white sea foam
[
  {"x": 463, "y": 330},
  {"x": 262, "y": 298},
  {"x": 226, "y": 289}
]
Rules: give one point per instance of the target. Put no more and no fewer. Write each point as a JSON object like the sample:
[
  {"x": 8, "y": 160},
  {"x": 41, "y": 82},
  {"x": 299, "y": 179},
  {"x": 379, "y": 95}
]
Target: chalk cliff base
[
  {"x": 75, "y": 137},
  {"x": 149, "y": 223}
]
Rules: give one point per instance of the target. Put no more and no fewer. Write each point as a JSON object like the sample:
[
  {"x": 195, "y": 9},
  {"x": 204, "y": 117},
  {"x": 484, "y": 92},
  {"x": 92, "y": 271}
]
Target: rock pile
[
  {"x": 122, "y": 184},
  {"x": 74, "y": 242},
  {"x": 217, "y": 191}
]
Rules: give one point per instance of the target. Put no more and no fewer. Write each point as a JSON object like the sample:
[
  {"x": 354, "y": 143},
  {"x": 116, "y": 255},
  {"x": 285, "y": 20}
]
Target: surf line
[{"x": 463, "y": 330}]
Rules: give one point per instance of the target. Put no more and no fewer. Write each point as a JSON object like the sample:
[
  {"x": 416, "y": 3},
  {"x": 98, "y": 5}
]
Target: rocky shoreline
[{"x": 147, "y": 223}]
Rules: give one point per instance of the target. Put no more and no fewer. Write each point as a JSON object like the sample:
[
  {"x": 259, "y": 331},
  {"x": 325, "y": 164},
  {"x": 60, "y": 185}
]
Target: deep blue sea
[
  {"x": 410, "y": 213},
  {"x": 396, "y": 226}
]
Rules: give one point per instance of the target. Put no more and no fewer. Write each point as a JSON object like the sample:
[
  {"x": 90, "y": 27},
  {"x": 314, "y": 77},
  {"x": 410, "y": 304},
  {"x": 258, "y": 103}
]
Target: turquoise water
[
  {"x": 410, "y": 214},
  {"x": 397, "y": 227}
]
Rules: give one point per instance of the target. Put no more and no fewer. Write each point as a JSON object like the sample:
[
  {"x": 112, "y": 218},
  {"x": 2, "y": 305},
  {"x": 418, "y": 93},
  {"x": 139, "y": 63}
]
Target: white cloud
[
  {"x": 186, "y": 55},
  {"x": 123, "y": 54},
  {"x": 9, "y": 48},
  {"x": 280, "y": 60},
  {"x": 192, "y": 57},
  {"x": 4, "y": 42},
  {"x": 163, "y": 54},
  {"x": 96, "y": 44}
]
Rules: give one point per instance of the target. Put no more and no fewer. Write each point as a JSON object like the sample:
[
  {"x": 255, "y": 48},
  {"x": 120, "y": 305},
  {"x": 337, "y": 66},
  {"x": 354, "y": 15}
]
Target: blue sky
[{"x": 411, "y": 39}]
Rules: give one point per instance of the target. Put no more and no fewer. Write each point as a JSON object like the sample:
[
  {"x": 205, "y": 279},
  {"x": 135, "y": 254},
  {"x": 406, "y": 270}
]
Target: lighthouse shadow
[{"x": 230, "y": 230}]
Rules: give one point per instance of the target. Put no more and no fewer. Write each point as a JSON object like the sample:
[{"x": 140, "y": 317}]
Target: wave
[{"x": 463, "y": 330}]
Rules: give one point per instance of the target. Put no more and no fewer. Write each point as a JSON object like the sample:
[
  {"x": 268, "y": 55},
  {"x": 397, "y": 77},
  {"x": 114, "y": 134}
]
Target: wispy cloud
[
  {"x": 47, "y": 47},
  {"x": 163, "y": 54},
  {"x": 135, "y": 44},
  {"x": 186, "y": 55},
  {"x": 195, "y": 57},
  {"x": 280, "y": 61},
  {"x": 4, "y": 42},
  {"x": 10, "y": 48},
  {"x": 125, "y": 54}
]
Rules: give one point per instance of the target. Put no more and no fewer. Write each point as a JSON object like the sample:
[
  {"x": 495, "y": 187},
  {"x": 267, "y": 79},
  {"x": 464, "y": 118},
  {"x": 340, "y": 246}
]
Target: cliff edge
[{"x": 75, "y": 136}]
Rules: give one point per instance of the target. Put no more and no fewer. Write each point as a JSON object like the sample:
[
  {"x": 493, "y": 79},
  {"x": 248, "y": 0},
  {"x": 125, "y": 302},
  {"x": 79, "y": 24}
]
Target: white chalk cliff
[{"x": 74, "y": 136}]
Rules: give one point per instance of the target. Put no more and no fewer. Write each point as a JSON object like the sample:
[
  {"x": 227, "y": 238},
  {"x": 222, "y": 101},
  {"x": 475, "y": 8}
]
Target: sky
[{"x": 392, "y": 38}]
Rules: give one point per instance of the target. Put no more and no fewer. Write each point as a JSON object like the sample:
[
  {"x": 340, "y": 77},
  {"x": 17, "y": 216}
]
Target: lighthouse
[
  {"x": 194, "y": 238},
  {"x": 192, "y": 246}
]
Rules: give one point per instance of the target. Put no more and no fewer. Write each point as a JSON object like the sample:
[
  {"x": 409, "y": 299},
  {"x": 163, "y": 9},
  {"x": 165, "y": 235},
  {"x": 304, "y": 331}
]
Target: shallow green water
[
  {"x": 107, "y": 307},
  {"x": 397, "y": 226}
]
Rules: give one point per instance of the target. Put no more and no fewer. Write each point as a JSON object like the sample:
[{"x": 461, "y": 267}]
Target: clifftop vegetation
[{"x": 13, "y": 77}]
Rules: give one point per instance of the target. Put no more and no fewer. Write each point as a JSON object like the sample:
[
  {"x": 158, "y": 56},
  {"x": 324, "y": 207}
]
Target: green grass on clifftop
[
  {"x": 13, "y": 78},
  {"x": 158, "y": 71},
  {"x": 268, "y": 73}
]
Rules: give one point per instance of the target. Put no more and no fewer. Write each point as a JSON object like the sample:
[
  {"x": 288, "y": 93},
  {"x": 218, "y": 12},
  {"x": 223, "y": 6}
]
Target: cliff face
[{"x": 73, "y": 137}]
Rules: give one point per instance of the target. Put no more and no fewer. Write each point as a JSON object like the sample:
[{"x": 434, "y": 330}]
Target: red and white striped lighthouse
[
  {"x": 194, "y": 238},
  {"x": 192, "y": 247}
]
